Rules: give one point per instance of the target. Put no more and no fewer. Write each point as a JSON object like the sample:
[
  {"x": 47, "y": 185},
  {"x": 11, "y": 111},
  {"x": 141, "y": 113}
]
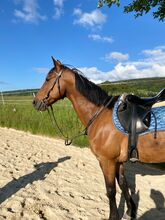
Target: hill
[
  {"x": 141, "y": 87},
  {"x": 20, "y": 92}
]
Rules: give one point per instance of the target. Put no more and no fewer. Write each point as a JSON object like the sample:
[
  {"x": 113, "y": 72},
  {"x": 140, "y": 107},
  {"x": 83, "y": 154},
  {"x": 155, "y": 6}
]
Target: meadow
[{"x": 17, "y": 112}]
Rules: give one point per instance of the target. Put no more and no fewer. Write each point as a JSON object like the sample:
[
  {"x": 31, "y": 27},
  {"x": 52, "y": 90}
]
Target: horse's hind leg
[
  {"x": 131, "y": 211},
  {"x": 109, "y": 171}
]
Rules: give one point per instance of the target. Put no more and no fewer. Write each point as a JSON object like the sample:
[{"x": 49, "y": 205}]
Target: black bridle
[
  {"x": 51, "y": 112},
  {"x": 57, "y": 80}
]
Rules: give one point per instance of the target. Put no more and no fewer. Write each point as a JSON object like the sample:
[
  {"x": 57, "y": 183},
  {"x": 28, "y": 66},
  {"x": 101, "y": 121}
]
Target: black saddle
[
  {"x": 147, "y": 101},
  {"x": 134, "y": 114}
]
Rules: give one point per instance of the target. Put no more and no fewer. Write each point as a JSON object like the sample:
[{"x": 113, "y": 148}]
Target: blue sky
[{"x": 104, "y": 43}]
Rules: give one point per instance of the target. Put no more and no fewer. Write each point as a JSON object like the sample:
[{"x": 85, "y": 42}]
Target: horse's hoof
[{"x": 127, "y": 217}]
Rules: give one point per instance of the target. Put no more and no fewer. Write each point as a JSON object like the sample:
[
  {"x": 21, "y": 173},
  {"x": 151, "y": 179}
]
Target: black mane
[{"x": 92, "y": 92}]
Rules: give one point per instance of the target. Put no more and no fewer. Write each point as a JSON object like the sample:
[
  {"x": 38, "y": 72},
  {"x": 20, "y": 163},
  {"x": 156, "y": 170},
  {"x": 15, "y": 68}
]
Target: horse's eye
[{"x": 47, "y": 79}]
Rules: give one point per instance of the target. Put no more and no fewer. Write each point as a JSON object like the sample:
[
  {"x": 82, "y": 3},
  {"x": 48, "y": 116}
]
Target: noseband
[{"x": 57, "y": 80}]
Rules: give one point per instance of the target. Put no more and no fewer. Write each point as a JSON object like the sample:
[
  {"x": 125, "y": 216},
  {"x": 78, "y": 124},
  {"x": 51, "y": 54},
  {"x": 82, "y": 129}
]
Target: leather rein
[{"x": 68, "y": 141}]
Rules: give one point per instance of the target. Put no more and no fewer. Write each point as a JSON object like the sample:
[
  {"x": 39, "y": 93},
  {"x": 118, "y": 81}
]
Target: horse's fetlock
[{"x": 114, "y": 217}]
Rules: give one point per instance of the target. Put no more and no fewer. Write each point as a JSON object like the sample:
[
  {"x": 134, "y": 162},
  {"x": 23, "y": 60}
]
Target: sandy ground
[
  {"x": 43, "y": 179},
  {"x": 158, "y": 104}
]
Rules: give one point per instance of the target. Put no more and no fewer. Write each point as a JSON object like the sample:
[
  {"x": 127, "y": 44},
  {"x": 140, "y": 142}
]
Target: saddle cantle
[
  {"x": 134, "y": 114},
  {"x": 147, "y": 101}
]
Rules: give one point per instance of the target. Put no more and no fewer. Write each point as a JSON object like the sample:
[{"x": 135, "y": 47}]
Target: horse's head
[{"x": 53, "y": 88}]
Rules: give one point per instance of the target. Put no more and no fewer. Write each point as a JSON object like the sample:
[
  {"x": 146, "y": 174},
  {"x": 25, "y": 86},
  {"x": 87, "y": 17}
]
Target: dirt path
[{"x": 43, "y": 179}]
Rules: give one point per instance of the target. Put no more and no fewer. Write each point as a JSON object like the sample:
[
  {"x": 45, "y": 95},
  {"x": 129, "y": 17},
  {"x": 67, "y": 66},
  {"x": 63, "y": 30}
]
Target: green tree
[{"x": 140, "y": 7}]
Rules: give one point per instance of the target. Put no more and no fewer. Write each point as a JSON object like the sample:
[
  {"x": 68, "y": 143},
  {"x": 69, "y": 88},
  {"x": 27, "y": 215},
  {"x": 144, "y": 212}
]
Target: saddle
[{"x": 134, "y": 114}]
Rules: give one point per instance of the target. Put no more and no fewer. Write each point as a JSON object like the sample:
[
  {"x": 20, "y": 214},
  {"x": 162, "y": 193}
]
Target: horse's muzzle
[{"x": 39, "y": 105}]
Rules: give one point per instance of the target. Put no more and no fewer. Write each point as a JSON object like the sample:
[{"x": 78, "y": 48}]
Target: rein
[{"x": 68, "y": 141}]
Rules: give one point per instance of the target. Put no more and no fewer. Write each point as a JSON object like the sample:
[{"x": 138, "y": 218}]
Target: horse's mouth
[{"x": 40, "y": 105}]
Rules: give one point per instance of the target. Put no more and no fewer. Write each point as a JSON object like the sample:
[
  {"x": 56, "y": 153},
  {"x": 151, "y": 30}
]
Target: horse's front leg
[
  {"x": 131, "y": 211},
  {"x": 109, "y": 171}
]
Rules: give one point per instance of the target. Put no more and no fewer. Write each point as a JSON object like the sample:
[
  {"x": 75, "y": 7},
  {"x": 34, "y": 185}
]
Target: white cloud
[
  {"x": 97, "y": 37},
  {"x": 93, "y": 19},
  {"x": 116, "y": 56},
  {"x": 94, "y": 74},
  {"x": 120, "y": 72},
  {"x": 77, "y": 11},
  {"x": 58, "y": 7},
  {"x": 41, "y": 70},
  {"x": 58, "y": 3},
  {"x": 157, "y": 55},
  {"x": 29, "y": 12},
  {"x": 152, "y": 65},
  {"x": 155, "y": 52}
]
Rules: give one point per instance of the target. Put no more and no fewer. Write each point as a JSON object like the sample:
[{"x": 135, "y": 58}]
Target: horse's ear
[
  {"x": 59, "y": 63},
  {"x": 54, "y": 61}
]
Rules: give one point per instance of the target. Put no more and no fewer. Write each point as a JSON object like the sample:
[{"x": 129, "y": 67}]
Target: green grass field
[
  {"x": 18, "y": 113},
  {"x": 141, "y": 87}
]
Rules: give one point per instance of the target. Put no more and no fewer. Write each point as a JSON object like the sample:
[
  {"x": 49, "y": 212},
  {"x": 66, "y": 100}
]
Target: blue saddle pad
[{"x": 159, "y": 113}]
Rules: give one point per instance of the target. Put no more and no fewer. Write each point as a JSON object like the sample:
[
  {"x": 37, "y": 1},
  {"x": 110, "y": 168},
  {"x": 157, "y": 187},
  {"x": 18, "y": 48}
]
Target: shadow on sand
[
  {"x": 158, "y": 198},
  {"x": 159, "y": 211},
  {"x": 39, "y": 174}
]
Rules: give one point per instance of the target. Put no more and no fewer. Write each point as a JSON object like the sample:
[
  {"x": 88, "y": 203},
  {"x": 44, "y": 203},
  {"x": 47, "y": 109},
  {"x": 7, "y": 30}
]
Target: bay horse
[{"x": 107, "y": 143}]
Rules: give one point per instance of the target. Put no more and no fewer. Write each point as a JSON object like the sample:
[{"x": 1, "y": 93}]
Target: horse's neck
[{"x": 84, "y": 108}]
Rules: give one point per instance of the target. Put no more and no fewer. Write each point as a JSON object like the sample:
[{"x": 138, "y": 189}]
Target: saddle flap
[{"x": 130, "y": 113}]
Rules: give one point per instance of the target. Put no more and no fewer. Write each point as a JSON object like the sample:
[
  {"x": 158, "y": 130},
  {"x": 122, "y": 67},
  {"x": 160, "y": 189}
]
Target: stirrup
[{"x": 133, "y": 157}]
